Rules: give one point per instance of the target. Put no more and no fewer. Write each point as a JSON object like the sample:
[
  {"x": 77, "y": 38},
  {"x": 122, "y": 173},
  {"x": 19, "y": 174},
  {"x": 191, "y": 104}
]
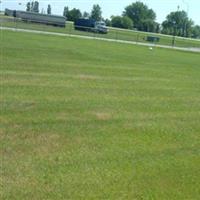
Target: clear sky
[{"x": 114, "y": 7}]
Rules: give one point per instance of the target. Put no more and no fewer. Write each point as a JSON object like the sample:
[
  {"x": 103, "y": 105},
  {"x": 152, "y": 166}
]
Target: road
[{"x": 103, "y": 39}]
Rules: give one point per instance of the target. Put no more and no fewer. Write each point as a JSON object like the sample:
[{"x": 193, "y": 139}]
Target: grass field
[
  {"x": 117, "y": 34},
  {"x": 87, "y": 119}
]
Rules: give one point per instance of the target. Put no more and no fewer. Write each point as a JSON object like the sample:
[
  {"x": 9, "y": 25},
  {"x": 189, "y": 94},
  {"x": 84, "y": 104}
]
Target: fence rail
[{"x": 114, "y": 33}]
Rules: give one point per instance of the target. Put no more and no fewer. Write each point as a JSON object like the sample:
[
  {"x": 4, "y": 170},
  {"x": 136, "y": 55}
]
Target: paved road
[{"x": 103, "y": 39}]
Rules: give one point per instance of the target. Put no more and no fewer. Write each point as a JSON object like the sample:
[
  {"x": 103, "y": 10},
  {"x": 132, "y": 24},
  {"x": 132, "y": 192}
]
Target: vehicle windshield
[{"x": 101, "y": 23}]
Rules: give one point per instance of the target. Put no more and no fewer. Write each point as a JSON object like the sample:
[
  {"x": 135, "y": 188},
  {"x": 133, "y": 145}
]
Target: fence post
[
  {"x": 94, "y": 33},
  {"x": 116, "y": 35},
  {"x": 67, "y": 28},
  {"x": 137, "y": 40},
  {"x": 173, "y": 40},
  {"x": 70, "y": 28}
]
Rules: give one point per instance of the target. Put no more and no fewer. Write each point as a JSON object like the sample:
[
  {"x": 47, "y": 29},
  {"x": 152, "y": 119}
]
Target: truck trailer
[{"x": 55, "y": 20}]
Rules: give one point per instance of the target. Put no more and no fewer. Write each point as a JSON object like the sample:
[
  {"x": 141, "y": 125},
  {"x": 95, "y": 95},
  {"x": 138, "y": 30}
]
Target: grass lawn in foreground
[{"x": 86, "y": 119}]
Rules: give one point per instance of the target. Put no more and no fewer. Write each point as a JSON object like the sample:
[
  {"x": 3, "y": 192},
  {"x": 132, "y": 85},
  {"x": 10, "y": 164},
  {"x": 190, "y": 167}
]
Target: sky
[{"x": 114, "y": 7}]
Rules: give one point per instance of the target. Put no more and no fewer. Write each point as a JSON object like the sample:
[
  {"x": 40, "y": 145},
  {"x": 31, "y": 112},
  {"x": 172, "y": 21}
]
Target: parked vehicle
[
  {"x": 55, "y": 20},
  {"x": 152, "y": 39},
  {"x": 90, "y": 25}
]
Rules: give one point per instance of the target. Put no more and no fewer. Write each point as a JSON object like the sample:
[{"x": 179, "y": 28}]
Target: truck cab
[{"x": 100, "y": 27}]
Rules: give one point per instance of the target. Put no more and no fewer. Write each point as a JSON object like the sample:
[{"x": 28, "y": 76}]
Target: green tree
[
  {"x": 28, "y": 7},
  {"x": 49, "y": 9},
  {"x": 86, "y": 15},
  {"x": 140, "y": 14},
  {"x": 96, "y": 13},
  {"x": 34, "y": 6},
  {"x": 149, "y": 25},
  {"x": 196, "y": 31},
  {"x": 65, "y": 11},
  {"x": 108, "y": 22},
  {"x": 127, "y": 22},
  {"x": 177, "y": 23},
  {"x": 157, "y": 28},
  {"x": 74, "y": 14},
  {"x": 116, "y": 21},
  {"x": 122, "y": 22}
]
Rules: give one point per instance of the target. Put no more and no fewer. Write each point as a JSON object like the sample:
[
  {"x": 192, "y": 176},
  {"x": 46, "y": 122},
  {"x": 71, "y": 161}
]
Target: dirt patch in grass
[
  {"x": 66, "y": 116},
  {"x": 104, "y": 116},
  {"x": 88, "y": 77}
]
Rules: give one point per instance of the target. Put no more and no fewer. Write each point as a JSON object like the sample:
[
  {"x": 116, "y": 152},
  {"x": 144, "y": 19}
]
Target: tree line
[
  {"x": 137, "y": 16},
  {"x": 33, "y": 6},
  {"x": 74, "y": 14}
]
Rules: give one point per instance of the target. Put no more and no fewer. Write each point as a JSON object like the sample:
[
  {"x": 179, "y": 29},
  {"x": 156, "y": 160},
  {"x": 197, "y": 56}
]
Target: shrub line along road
[{"x": 97, "y": 38}]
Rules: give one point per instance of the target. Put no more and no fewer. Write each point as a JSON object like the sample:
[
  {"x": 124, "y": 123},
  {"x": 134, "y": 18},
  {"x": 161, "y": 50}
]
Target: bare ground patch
[
  {"x": 88, "y": 77},
  {"x": 104, "y": 116}
]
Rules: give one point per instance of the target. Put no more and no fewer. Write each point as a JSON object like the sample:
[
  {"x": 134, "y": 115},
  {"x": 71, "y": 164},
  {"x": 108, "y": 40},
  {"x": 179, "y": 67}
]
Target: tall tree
[
  {"x": 96, "y": 13},
  {"x": 49, "y": 9},
  {"x": 65, "y": 11},
  {"x": 140, "y": 14},
  {"x": 28, "y": 7},
  {"x": 36, "y": 7},
  {"x": 32, "y": 6},
  {"x": 177, "y": 23}
]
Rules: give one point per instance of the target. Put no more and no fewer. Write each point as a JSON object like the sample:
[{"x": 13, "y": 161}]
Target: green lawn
[
  {"x": 87, "y": 119},
  {"x": 113, "y": 34}
]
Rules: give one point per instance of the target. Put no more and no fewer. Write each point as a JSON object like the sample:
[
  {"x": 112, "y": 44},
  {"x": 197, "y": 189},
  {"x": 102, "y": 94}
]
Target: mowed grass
[
  {"x": 87, "y": 119},
  {"x": 116, "y": 34}
]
